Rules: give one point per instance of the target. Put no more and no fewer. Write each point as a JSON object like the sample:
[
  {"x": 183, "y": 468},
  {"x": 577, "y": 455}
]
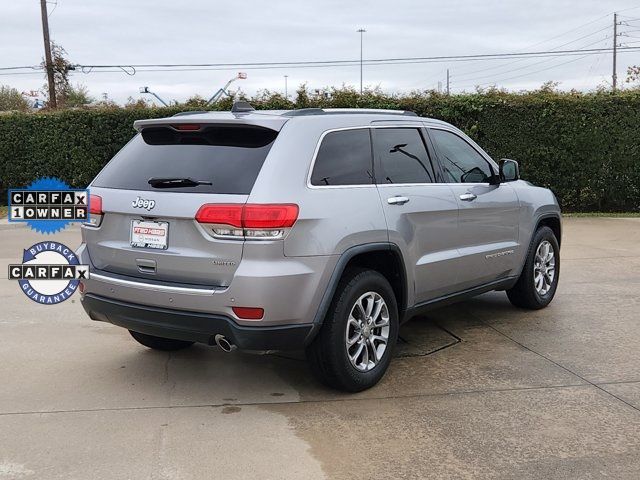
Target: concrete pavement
[{"x": 479, "y": 390}]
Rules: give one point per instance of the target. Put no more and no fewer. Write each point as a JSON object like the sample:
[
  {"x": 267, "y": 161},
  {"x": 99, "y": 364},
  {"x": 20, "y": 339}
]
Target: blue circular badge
[
  {"x": 49, "y": 255},
  {"x": 48, "y": 226}
]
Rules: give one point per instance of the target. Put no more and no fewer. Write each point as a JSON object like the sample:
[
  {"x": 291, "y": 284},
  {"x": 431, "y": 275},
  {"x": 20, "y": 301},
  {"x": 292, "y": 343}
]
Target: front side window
[
  {"x": 460, "y": 161},
  {"x": 402, "y": 156},
  {"x": 344, "y": 158}
]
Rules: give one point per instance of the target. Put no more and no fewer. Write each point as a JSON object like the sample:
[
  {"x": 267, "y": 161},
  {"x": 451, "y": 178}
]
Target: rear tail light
[
  {"x": 248, "y": 313},
  {"x": 224, "y": 219},
  {"x": 251, "y": 220},
  {"x": 95, "y": 210},
  {"x": 269, "y": 215}
]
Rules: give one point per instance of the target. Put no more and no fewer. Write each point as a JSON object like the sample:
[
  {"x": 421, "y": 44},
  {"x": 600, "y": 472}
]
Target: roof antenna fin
[{"x": 241, "y": 107}]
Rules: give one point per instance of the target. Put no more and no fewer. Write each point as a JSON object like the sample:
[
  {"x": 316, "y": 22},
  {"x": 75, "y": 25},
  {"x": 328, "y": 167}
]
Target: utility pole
[
  {"x": 47, "y": 54},
  {"x": 361, "y": 31},
  {"x": 286, "y": 89},
  {"x": 448, "y": 82},
  {"x": 614, "y": 78}
]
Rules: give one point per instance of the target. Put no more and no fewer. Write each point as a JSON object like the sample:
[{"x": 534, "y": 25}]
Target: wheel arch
[
  {"x": 383, "y": 257},
  {"x": 552, "y": 221}
]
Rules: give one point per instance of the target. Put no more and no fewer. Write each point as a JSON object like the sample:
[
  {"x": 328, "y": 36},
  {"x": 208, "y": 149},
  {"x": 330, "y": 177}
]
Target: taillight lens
[
  {"x": 269, "y": 215},
  {"x": 251, "y": 220},
  {"x": 95, "y": 204},
  {"x": 95, "y": 210},
  {"x": 223, "y": 214}
]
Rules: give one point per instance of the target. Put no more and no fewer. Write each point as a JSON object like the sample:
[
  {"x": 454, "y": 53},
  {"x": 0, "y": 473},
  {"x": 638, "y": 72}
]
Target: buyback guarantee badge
[
  {"x": 49, "y": 272},
  {"x": 48, "y": 205}
]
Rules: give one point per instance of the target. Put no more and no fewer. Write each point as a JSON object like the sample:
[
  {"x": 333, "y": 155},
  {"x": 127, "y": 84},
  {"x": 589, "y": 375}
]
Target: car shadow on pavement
[{"x": 208, "y": 375}]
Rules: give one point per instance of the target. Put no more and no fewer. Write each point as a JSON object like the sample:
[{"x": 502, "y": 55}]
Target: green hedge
[{"x": 586, "y": 148}]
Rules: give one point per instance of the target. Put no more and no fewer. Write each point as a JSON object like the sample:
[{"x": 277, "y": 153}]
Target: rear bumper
[
  {"x": 194, "y": 326},
  {"x": 289, "y": 289}
]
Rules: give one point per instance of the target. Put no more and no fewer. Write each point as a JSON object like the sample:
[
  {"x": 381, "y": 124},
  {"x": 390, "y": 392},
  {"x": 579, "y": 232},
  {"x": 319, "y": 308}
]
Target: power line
[
  {"x": 526, "y": 66},
  {"x": 529, "y": 73},
  {"x": 521, "y": 60},
  {"x": 546, "y": 41},
  {"x": 380, "y": 61},
  {"x": 627, "y": 9},
  {"x": 434, "y": 59},
  {"x": 594, "y": 66},
  {"x": 334, "y": 63},
  {"x": 32, "y": 67},
  {"x": 503, "y": 79},
  {"x": 552, "y": 54}
]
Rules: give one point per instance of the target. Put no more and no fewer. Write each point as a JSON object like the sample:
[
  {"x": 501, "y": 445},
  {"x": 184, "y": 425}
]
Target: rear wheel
[
  {"x": 538, "y": 281},
  {"x": 355, "y": 344},
  {"x": 160, "y": 343}
]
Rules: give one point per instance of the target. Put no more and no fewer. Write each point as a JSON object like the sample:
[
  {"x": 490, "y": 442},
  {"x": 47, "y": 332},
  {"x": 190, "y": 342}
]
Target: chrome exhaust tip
[{"x": 224, "y": 344}]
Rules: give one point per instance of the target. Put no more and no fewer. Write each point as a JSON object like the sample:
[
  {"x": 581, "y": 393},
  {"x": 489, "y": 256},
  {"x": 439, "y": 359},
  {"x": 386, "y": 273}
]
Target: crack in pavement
[
  {"x": 598, "y": 386},
  {"x": 311, "y": 401}
]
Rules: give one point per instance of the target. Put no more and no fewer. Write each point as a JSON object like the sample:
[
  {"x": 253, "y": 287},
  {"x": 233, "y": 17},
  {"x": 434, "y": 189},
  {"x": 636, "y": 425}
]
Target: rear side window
[
  {"x": 227, "y": 157},
  {"x": 402, "y": 156},
  {"x": 344, "y": 158}
]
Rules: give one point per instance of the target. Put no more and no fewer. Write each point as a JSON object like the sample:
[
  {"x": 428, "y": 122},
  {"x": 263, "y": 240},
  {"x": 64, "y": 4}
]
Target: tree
[
  {"x": 196, "y": 101},
  {"x": 77, "y": 96},
  {"x": 302, "y": 97},
  {"x": 633, "y": 74},
  {"x": 61, "y": 67},
  {"x": 137, "y": 103},
  {"x": 11, "y": 99}
]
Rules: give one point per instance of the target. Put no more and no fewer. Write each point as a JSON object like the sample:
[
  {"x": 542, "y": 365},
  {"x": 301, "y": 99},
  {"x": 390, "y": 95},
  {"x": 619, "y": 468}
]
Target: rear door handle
[
  {"x": 468, "y": 197},
  {"x": 397, "y": 200}
]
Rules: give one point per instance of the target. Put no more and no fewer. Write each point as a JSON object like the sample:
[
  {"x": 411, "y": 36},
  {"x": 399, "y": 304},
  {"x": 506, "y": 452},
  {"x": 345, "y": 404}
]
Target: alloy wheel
[
  {"x": 544, "y": 267},
  {"x": 367, "y": 333}
]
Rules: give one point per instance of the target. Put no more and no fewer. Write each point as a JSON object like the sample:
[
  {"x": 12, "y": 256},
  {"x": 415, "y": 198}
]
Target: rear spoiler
[{"x": 272, "y": 123}]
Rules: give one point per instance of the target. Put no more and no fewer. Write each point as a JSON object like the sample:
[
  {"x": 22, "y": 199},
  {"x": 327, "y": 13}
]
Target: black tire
[
  {"x": 160, "y": 343},
  {"x": 524, "y": 293},
  {"x": 327, "y": 354}
]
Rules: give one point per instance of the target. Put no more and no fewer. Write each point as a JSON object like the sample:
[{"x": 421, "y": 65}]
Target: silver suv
[{"x": 315, "y": 229}]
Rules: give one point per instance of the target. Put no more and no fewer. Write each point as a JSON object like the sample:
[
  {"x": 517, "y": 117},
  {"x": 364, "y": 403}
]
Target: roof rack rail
[
  {"x": 346, "y": 111},
  {"x": 303, "y": 112},
  {"x": 241, "y": 107},
  {"x": 194, "y": 112}
]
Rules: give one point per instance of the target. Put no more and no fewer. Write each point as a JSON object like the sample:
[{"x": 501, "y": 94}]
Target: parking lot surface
[{"x": 478, "y": 390}]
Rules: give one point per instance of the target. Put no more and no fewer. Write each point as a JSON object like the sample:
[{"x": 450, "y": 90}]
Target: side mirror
[{"x": 509, "y": 170}]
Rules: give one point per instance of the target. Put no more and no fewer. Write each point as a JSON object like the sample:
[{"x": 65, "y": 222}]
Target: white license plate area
[{"x": 146, "y": 234}]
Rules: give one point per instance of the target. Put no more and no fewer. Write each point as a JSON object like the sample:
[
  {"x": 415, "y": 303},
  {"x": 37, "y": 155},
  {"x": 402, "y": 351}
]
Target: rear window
[{"x": 227, "y": 157}]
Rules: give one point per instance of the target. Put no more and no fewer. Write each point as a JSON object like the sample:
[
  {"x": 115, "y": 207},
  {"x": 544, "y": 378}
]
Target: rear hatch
[{"x": 151, "y": 191}]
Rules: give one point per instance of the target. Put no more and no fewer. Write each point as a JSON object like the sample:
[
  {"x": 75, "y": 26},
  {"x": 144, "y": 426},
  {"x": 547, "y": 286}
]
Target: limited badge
[
  {"x": 48, "y": 205},
  {"x": 49, "y": 272}
]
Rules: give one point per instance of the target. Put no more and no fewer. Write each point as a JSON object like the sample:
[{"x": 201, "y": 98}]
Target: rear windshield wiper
[{"x": 176, "y": 182}]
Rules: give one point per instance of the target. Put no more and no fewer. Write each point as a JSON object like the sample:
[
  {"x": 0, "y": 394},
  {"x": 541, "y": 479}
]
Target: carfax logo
[
  {"x": 48, "y": 205},
  {"x": 49, "y": 272}
]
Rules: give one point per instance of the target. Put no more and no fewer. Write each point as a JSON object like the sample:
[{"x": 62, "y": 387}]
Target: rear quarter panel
[{"x": 331, "y": 219}]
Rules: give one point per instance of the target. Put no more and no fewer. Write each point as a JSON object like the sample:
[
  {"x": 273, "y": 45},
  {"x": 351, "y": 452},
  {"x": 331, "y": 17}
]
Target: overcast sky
[{"x": 199, "y": 31}]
